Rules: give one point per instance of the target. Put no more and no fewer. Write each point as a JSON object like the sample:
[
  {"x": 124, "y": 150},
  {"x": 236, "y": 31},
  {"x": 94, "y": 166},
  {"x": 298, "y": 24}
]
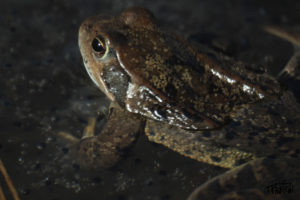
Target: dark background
[{"x": 44, "y": 89}]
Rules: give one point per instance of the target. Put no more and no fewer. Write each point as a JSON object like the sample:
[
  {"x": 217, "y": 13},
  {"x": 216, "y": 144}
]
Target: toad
[{"x": 224, "y": 113}]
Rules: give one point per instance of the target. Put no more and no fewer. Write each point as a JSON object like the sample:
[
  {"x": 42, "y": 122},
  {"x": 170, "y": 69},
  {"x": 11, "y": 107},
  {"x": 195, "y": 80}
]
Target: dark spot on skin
[
  {"x": 235, "y": 124},
  {"x": 162, "y": 138},
  {"x": 171, "y": 90},
  {"x": 283, "y": 140},
  {"x": 215, "y": 159},
  {"x": 250, "y": 137},
  {"x": 253, "y": 134},
  {"x": 152, "y": 133},
  {"x": 272, "y": 112},
  {"x": 263, "y": 141},
  {"x": 262, "y": 129},
  {"x": 223, "y": 146},
  {"x": 230, "y": 135},
  {"x": 239, "y": 162},
  {"x": 188, "y": 152},
  {"x": 206, "y": 134},
  {"x": 272, "y": 156},
  {"x": 211, "y": 89},
  {"x": 200, "y": 68},
  {"x": 88, "y": 27}
]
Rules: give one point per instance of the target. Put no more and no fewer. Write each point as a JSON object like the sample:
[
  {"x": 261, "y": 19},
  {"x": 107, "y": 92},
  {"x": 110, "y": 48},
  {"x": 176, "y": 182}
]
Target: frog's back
[{"x": 181, "y": 86}]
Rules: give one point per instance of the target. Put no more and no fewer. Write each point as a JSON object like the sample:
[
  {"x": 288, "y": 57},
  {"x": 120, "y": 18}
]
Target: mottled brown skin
[
  {"x": 157, "y": 75},
  {"x": 224, "y": 115}
]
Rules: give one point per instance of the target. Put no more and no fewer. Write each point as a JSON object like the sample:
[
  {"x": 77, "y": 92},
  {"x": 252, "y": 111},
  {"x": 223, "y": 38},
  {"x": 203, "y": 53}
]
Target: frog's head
[{"x": 103, "y": 40}]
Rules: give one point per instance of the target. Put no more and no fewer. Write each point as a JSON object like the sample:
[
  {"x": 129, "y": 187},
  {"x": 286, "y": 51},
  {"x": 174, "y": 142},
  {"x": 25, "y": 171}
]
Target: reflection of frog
[{"x": 184, "y": 99}]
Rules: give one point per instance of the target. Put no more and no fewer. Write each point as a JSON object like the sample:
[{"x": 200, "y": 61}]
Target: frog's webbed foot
[{"x": 106, "y": 149}]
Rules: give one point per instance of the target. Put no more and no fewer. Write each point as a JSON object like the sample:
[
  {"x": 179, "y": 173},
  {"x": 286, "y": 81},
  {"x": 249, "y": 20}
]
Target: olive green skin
[{"x": 223, "y": 114}]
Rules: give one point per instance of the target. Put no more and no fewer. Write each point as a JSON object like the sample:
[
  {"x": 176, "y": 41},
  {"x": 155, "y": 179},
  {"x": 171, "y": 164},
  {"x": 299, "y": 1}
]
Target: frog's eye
[{"x": 99, "y": 47}]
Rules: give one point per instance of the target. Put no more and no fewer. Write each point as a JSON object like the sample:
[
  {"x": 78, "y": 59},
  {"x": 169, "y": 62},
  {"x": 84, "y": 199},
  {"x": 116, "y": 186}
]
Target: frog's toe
[
  {"x": 290, "y": 75},
  {"x": 292, "y": 68}
]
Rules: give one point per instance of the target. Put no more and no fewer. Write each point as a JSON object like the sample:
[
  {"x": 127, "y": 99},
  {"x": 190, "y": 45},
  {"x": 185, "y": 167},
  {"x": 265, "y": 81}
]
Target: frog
[{"x": 222, "y": 112}]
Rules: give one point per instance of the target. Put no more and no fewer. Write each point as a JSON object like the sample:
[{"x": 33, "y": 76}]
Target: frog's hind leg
[
  {"x": 290, "y": 74},
  {"x": 106, "y": 149}
]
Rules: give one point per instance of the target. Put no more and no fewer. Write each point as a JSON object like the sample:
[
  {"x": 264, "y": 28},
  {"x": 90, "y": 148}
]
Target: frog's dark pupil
[{"x": 98, "y": 45}]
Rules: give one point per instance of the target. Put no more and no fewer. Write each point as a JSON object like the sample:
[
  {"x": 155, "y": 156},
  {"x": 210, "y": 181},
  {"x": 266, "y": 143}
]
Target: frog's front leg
[{"x": 106, "y": 149}]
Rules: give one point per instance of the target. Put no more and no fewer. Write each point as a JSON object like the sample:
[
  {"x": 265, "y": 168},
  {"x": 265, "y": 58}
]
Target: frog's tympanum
[{"x": 221, "y": 112}]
